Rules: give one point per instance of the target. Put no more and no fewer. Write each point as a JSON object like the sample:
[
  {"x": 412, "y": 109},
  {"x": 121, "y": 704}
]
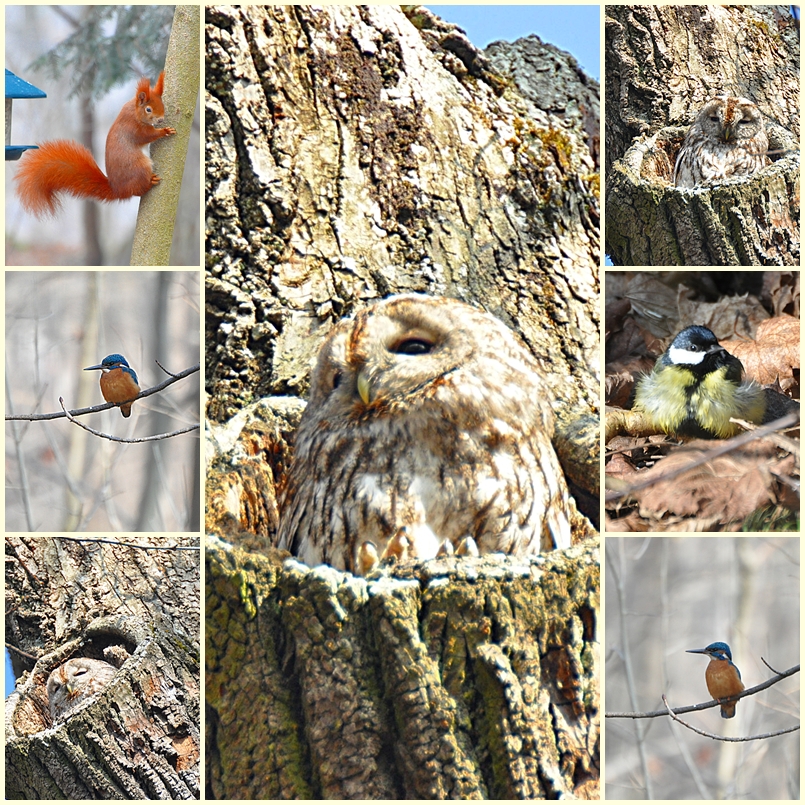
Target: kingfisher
[
  {"x": 722, "y": 676},
  {"x": 118, "y": 382}
]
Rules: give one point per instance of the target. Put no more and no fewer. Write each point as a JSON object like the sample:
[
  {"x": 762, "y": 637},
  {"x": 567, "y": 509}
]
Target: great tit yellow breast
[{"x": 662, "y": 396}]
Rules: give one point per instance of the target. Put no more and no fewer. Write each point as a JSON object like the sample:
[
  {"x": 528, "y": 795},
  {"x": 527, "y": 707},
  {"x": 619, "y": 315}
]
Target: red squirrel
[{"x": 67, "y": 166}]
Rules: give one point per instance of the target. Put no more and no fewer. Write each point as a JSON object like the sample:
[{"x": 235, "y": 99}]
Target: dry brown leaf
[
  {"x": 723, "y": 490},
  {"x": 773, "y": 354}
]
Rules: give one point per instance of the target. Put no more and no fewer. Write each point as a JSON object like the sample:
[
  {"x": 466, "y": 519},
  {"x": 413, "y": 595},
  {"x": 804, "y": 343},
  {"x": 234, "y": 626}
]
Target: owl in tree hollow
[
  {"x": 726, "y": 139},
  {"x": 73, "y": 682},
  {"x": 428, "y": 428}
]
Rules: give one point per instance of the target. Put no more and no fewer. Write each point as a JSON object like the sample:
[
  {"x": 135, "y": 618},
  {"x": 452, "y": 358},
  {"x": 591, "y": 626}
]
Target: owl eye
[
  {"x": 413, "y": 346},
  {"x": 336, "y": 380},
  {"x": 714, "y": 118}
]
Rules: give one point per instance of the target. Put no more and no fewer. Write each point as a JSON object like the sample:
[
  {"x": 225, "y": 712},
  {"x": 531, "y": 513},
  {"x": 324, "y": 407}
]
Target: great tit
[{"x": 696, "y": 386}]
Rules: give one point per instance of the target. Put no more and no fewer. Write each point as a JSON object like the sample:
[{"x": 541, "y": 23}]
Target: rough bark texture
[
  {"x": 662, "y": 64},
  {"x": 139, "y": 610},
  {"x": 457, "y": 679},
  {"x": 353, "y": 153}
]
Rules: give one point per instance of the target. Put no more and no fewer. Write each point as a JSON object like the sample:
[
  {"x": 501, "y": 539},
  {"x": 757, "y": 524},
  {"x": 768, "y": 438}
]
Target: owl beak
[
  {"x": 727, "y": 133},
  {"x": 363, "y": 388}
]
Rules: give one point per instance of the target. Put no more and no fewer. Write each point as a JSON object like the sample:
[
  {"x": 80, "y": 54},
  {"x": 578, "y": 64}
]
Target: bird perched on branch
[
  {"x": 722, "y": 677},
  {"x": 119, "y": 383}
]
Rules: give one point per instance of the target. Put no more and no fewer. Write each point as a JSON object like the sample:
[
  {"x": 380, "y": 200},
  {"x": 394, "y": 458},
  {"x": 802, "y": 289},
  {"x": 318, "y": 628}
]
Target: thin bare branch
[
  {"x": 111, "y": 438},
  {"x": 715, "y": 737},
  {"x": 706, "y": 705},
  {"x": 95, "y": 408}
]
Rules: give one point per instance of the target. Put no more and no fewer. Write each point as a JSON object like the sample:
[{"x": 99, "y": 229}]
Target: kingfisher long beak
[
  {"x": 99, "y": 366},
  {"x": 363, "y": 388},
  {"x": 696, "y": 651}
]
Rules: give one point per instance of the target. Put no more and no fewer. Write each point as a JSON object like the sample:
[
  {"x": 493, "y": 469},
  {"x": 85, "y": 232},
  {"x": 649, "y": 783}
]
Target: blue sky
[{"x": 575, "y": 29}]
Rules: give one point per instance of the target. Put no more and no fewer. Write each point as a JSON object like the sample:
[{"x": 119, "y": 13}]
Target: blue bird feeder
[{"x": 17, "y": 88}]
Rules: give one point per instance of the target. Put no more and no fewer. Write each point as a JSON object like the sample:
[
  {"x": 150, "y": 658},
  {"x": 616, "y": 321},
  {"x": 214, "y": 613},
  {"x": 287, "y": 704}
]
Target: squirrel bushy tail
[
  {"x": 65, "y": 166},
  {"x": 59, "y": 166}
]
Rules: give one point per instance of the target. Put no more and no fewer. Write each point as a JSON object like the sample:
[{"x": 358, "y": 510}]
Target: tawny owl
[
  {"x": 73, "y": 682},
  {"x": 427, "y": 423},
  {"x": 727, "y": 139}
]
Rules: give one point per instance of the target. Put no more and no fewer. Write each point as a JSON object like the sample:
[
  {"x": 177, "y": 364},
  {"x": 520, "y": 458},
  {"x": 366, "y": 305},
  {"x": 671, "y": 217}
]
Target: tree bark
[
  {"x": 663, "y": 63},
  {"x": 134, "y": 608},
  {"x": 355, "y": 152},
  {"x": 352, "y": 155},
  {"x": 458, "y": 678}
]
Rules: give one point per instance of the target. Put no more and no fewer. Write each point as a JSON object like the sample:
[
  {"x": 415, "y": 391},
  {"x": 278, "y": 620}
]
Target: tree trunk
[
  {"x": 662, "y": 64},
  {"x": 458, "y": 679},
  {"x": 355, "y": 152},
  {"x": 134, "y": 608}
]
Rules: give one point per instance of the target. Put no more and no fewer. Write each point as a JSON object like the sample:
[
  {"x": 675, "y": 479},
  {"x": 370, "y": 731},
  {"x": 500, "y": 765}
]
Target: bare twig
[
  {"x": 172, "y": 547},
  {"x": 95, "y": 408},
  {"x": 705, "y": 705},
  {"x": 708, "y": 455},
  {"x": 120, "y": 438},
  {"x": 715, "y": 737}
]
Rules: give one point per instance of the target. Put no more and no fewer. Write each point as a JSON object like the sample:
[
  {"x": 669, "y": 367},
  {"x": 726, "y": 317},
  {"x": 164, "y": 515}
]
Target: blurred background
[
  {"x": 58, "y": 476},
  {"x": 665, "y": 595}
]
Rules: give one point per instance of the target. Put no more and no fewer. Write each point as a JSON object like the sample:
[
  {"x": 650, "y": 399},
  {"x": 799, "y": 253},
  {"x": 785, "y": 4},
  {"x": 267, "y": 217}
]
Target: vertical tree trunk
[{"x": 456, "y": 679}]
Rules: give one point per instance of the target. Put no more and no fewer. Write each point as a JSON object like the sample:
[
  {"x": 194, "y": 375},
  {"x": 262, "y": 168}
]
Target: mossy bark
[
  {"x": 662, "y": 64},
  {"x": 456, "y": 678}
]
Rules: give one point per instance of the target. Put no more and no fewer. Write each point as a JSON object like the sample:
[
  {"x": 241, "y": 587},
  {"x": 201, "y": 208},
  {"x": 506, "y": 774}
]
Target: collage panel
[
  {"x": 86, "y": 91},
  {"x": 402, "y": 352},
  {"x": 702, "y": 135},
  {"x": 702, "y": 395},
  {"x": 691, "y": 623}
]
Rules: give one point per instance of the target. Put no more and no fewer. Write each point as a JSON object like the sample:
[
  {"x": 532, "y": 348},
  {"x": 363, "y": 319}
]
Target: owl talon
[
  {"x": 445, "y": 549},
  {"x": 467, "y": 547},
  {"x": 399, "y": 547},
  {"x": 368, "y": 558}
]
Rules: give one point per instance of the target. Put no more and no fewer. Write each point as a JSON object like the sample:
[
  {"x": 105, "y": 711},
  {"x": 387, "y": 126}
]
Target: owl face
[
  {"x": 386, "y": 356},
  {"x": 727, "y": 119},
  {"x": 427, "y": 422},
  {"x": 75, "y": 681},
  {"x": 727, "y": 139}
]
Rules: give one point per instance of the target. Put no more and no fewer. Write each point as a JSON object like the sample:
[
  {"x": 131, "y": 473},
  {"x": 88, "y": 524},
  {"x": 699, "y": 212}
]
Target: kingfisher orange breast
[
  {"x": 723, "y": 680},
  {"x": 118, "y": 385}
]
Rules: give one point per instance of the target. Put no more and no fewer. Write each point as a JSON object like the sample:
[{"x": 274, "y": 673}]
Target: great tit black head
[{"x": 696, "y": 386}]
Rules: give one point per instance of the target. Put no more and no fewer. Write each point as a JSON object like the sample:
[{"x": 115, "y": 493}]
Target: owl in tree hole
[
  {"x": 73, "y": 682},
  {"x": 726, "y": 139},
  {"x": 428, "y": 429}
]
